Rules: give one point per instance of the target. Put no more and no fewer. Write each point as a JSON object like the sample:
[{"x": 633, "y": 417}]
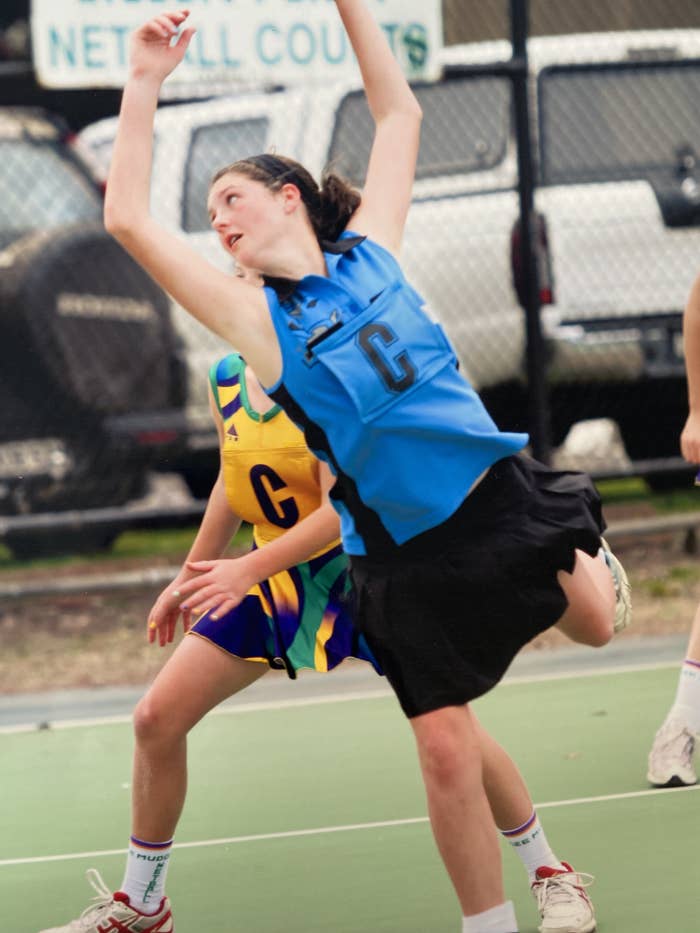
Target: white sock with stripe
[
  {"x": 531, "y": 846},
  {"x": 146, "y": 868},
  {"x": 500, "y": 919},
  {"x": 686, "y": 706}
]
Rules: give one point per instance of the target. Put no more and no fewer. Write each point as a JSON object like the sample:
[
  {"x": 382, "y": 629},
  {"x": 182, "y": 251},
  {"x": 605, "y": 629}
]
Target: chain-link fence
[
  {"x": 104, "y": 378},
  {"x": 90, "y": 376}
]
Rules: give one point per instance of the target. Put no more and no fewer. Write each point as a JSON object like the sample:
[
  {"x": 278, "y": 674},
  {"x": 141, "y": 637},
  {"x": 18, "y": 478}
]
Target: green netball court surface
[{"x": 310, "y": 817}]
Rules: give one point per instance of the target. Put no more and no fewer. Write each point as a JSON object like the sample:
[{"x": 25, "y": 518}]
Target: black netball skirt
[{"x": 446, "y": 613}]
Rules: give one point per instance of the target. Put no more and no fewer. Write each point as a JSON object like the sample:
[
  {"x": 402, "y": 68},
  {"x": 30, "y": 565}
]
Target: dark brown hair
[{"x": 329, "y": 206}]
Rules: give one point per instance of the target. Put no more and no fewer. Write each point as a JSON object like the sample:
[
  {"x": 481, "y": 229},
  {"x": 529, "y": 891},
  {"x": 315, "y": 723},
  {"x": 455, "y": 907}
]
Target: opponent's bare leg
[{"x": 197, "y": 677}]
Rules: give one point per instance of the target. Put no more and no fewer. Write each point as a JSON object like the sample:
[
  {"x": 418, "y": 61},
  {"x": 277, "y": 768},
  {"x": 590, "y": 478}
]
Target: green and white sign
[{"x": 85, "y": 43}]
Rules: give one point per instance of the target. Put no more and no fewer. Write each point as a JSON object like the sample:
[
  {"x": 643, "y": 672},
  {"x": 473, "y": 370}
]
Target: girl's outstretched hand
[
  {"x": 153, "y": 52},
  {"x": 220, "y": 585}
]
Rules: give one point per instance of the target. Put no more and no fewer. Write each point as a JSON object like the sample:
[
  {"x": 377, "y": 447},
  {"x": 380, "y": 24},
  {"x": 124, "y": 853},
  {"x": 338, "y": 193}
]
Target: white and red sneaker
[
  {"x": 112, "y": 913},
  {"x": 562, "y": 901}
]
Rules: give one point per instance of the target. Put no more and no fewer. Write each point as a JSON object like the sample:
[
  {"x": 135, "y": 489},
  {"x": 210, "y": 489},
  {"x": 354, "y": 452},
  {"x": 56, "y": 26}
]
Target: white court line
[
  {"x": 380, "y": 693},
  {"x": 218, "y": 711},
  {"x": 326, "y": 830}
]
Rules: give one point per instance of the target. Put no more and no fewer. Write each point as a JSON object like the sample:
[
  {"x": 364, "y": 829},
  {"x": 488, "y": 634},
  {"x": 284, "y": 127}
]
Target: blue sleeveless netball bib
[{"x": 373, "y": 382}]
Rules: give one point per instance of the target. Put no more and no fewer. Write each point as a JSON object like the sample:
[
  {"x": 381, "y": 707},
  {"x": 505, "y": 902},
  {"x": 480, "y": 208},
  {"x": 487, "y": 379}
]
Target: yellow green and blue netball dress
[{"x": 298, "y": 618}]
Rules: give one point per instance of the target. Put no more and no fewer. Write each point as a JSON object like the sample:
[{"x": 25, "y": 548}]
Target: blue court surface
[{"x": 306, "y": 810}]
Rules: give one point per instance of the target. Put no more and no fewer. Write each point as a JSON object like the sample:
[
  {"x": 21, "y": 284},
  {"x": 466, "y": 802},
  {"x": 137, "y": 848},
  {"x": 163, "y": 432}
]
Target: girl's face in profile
[{"x": 247, "y": 217}]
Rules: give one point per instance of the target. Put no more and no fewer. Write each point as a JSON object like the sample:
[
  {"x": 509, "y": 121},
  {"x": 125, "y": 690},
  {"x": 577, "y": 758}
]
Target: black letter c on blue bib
[{"x": 396, "y": 372}]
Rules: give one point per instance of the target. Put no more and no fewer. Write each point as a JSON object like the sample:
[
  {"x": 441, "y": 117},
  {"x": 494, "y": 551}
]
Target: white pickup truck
[{"x": 616, "y": 138}]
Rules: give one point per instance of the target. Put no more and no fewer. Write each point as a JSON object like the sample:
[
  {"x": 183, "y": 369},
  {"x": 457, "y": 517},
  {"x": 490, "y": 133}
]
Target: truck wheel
[{"x": 95, "y": 327}]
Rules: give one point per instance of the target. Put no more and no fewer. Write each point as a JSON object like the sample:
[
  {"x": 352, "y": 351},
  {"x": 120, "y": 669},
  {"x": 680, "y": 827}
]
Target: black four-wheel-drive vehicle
[{"x": 90, "y": 378}]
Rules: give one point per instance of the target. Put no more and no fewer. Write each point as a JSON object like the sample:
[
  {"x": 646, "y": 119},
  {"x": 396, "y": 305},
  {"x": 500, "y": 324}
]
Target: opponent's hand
[
  {"x": 153, "y": 52},
  {"x": 165, "y": 612},
  {"x": 690, "y": 439},
  {"x": 220, "y": 585}
]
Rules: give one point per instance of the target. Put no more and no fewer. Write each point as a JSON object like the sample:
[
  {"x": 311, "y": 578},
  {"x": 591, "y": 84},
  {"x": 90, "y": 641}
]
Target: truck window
[
  {"x": 41, "y": 188},
  {"x": 212, "y": 148},
  {"x": 617, "y": 122},
  {"x": 466, "y": 128}
]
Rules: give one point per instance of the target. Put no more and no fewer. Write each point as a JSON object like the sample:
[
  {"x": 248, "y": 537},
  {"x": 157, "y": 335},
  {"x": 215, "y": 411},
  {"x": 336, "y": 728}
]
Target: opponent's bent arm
[
  {"x": 295, "y": 546},
  {"x": 310, "y": 535},
  {"x": 218, "y": 526}
]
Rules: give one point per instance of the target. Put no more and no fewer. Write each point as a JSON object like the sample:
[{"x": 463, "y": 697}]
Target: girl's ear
[{"x": 291, "y": 197}]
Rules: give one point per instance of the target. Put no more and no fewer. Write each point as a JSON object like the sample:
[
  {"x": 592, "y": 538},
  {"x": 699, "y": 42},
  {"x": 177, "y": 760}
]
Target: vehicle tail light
[
  {"x": 544, "y": 262},
  {"x": 156, "y": 438}
]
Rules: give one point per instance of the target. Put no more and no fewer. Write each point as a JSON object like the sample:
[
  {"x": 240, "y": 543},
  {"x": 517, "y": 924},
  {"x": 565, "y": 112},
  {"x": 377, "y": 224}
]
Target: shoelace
[
  {"x": 556, "y": 889},
  {"x": 103, "y": 898}
]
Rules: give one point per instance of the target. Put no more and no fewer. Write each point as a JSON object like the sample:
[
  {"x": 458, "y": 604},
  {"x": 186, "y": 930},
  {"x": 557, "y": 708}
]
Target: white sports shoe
[
  {"x": 671, "y": 756},
  {"x": 113, "y": 912},
  {"x": 562, "y": 901},
  {"x": 623, "y": 590}
]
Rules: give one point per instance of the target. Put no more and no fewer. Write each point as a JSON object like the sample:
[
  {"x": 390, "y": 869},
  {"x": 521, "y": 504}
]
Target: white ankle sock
[
  {"x": 500, "y": 919},
  {"x": 531, "y": 846},
  {"x": 686, "y": 706},
  {"x": 146, "y": 868}
]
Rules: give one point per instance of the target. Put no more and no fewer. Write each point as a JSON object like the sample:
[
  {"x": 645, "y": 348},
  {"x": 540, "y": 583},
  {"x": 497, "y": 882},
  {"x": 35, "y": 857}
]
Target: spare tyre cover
[{"x": 81, "y": 322}]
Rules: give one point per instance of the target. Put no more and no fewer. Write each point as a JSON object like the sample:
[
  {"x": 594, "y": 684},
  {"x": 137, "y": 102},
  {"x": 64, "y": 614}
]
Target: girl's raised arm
[
  {"x": 386, "y": 195},
  {"x": 232, "y": 308}
]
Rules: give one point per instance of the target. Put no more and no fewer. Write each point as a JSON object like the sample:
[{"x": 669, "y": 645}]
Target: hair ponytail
[{"x": 338, "y": 202}]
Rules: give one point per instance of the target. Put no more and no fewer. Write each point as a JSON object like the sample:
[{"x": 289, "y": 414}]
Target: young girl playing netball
[{"x": 461, "y": 548}]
